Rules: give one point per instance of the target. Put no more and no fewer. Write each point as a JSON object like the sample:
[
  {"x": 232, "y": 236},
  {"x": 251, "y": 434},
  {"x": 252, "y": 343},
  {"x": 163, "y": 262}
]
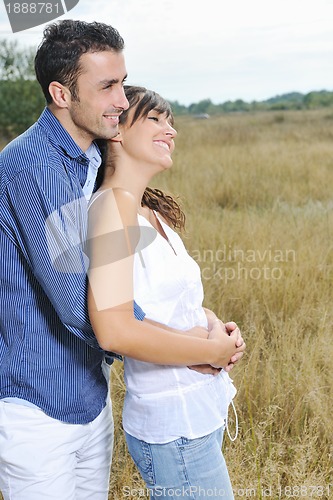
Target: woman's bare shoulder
[{"x": 111, "y": 209}]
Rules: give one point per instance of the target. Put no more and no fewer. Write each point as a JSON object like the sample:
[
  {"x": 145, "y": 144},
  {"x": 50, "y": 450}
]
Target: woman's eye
[{"x": 153, "y": 118}]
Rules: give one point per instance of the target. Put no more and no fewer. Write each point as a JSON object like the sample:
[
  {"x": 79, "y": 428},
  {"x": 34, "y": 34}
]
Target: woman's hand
[
  {"x": 231, "y": 326},
  {"x": 230, "y": 344}
]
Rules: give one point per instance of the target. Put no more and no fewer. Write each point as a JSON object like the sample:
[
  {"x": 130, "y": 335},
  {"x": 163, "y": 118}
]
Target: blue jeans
[{"x": 184, "y": 468}]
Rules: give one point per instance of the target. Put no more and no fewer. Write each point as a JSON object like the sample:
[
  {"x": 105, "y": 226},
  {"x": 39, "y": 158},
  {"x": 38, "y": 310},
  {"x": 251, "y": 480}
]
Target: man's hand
[{"x": 205, "y": 369}]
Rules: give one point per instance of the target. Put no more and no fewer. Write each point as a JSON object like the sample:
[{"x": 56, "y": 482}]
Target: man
[
  {"x": 50, "y": 363},
  {"x": 56, "y": 429}
]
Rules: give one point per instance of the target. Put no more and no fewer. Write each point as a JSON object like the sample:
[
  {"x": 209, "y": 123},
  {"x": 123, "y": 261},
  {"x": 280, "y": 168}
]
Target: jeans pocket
[
  {"x": 140, "y": 452},
  {"x": 188, "y": 444}
]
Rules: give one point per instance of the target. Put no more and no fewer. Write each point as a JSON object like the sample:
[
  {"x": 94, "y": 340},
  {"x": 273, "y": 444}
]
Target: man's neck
[{"x": 82, "y": 139}]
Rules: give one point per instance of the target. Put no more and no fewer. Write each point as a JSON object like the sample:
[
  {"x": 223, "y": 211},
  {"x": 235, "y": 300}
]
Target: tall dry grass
[
  {"x": 258, "y": 193},
  {"x": 257, "y": 190}
]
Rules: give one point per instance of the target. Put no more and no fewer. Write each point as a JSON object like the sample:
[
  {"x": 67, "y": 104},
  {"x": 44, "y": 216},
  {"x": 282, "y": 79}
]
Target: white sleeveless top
[{"x": 163, "y": 403}]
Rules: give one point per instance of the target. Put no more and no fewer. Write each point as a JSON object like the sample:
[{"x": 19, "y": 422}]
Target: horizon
[{"x": 257, "y": 100}]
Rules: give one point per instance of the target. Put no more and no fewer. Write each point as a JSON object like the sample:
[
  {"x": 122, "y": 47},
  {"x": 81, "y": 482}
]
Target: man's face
[{"x": 101, "y": 98}]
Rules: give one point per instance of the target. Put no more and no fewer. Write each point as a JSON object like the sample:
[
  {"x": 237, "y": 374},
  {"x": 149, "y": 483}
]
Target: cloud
[{"x": 221, "y": 50}]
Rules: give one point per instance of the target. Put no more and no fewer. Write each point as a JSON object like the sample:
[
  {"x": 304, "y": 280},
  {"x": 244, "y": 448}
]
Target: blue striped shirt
[{"x": 49, "y": 355}]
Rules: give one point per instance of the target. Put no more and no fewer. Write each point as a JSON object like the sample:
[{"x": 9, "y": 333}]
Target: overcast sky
[{"x": 189, "y": 50}]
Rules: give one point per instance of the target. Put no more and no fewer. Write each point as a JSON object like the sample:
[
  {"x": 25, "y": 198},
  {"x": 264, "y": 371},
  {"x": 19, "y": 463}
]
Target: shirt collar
[
  {"x": 58, "y": 135},
  {"x": 94, "y": 163}
]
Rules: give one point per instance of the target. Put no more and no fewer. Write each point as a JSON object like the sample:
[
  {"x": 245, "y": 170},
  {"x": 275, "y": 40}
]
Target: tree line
[
  {"x": 22, "y": 100},
  {"x": 291, "y": 101}
]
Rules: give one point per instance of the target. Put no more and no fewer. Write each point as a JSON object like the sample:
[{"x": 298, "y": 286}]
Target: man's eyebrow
[{"x": 105, "y": 83}]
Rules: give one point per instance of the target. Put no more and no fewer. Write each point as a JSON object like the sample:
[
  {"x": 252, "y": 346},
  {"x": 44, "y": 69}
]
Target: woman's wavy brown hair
[{"x": 145, "y": 100}]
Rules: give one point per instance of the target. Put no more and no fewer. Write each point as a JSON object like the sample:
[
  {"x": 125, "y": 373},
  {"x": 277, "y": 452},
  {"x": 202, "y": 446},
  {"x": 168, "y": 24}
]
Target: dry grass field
[{"x": 258, "y": 193}]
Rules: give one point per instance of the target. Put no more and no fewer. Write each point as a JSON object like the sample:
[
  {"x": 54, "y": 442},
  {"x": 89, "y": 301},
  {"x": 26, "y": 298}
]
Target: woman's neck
[{"x": 130, "y": 180}]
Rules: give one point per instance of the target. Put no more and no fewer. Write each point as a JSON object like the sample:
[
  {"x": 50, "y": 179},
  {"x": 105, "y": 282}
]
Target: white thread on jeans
[{"x": 236, "y": 424}]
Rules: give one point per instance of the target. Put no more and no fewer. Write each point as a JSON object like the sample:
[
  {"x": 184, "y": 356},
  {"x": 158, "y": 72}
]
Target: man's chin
[{"x": 110, "y": 133}]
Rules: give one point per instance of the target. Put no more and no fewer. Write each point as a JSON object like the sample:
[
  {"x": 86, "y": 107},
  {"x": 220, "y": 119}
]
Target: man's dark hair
[{"x": 64, "y": 42}]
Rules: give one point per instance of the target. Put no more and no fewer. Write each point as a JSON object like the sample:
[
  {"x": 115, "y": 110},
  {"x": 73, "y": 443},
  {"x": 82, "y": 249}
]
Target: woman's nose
[{"x": 171, "y": 131}]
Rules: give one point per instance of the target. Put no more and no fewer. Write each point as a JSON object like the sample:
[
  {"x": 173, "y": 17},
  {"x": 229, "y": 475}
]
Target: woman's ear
[{"x": 117, "y": 138}]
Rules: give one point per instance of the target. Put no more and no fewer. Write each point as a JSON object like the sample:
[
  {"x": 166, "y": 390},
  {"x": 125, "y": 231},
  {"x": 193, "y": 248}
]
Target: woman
[{"x": 173, "y": 417}]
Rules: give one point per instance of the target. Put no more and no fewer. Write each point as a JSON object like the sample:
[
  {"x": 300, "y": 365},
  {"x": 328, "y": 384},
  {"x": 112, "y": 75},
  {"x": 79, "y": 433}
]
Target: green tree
[
  {"x": 20, "y": 95},
  {"x": 203, "y": 106},
  {"x": 319, "y": 99},
  {"x": 16, "y": 63},
  {"x": 178, "y": 109}
]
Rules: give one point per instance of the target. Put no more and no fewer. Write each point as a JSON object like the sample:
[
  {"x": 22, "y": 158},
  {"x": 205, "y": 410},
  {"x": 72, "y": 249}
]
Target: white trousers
[{"x": 44, "y": 459}]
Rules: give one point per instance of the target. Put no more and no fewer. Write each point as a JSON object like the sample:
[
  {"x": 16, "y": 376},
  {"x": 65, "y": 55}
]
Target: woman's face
[{"x": 150, "y": 139}]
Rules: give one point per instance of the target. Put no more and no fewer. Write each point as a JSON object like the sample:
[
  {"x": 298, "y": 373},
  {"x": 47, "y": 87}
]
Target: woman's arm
[{"x": 112, "y": 239}]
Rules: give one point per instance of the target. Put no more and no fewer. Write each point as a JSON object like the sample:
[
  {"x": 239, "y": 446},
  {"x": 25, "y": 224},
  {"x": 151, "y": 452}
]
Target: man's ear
[
  {"x": 117, "y": 138},
  {"x": 61, "y": 95}
]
